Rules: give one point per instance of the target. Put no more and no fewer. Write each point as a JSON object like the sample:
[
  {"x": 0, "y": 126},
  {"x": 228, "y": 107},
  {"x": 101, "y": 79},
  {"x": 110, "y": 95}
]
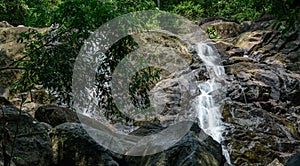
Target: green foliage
[
  {"x": 285, "y": 11},
  {"x": 18, "y": 158},
  {"x": 50, "y": 63},
  {"x": 50, "y": 56},
  {"x": 28, "y": 12},
  {"x": 126, "y": 6},
  {"x": 189, "y": 9},
  {"x": 112, "y": 57},
  {"x": 141, "y": 83},
  {"x": 287, "y": 15},
  {"x": 13, "y": 11},
  {"x": 212, "y": 32},
  {"x": 39, "y": 13}
]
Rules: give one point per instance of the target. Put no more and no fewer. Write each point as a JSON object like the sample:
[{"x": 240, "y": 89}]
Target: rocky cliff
[
  {"x": 260, "y": 108},
  {"x": 262, "y": 102}
]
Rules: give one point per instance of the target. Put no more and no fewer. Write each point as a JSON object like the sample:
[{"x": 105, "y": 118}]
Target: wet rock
[
  {"x": 32, "y": 145},
  {"x": 294, "y": 160},
  {"x": 260, "y": 111},
  {"x": 262, "y": 104},
  {"x": 174, "y": 96},
  {"x": 55, "y": 115}
]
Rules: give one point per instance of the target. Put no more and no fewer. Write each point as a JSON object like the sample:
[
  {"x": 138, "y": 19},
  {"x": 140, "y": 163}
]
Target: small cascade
[{"x": 209, "y": 115}]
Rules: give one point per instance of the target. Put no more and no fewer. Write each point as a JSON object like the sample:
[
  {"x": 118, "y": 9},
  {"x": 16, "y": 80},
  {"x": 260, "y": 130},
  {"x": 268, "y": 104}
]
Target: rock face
[
  {"x": 175, "y": 95},
  {"x": 10, "y": 51},
  {"x": 262, "y": 107},
  {"x": 32, "y": 144}
]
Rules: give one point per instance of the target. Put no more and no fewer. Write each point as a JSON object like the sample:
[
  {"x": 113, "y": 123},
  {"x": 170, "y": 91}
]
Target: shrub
[{"x": 189, "y": 10}]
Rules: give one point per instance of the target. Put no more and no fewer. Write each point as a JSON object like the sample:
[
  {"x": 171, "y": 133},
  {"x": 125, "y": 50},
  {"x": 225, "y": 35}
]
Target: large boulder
[
  {"x": 72, "y": 145},
  {"x": 195, "y": 148},
  {"x": 55, "y": 115},
  {"x": 26, "y": 137},
  {"x": 294, "y": 160}
]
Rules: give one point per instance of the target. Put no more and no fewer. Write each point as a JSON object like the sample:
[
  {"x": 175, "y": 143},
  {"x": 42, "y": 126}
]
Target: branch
[
  {"x": 8, "y": 67},
  {"x": 11, "y": 64},
  {"x": 12, "y": 68}
]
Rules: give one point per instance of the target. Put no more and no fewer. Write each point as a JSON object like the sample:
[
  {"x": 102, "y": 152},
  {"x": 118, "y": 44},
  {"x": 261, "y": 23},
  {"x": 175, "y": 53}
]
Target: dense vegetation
[
  {"x": 52, "y": 55},
  {"x": 41, "y": 13}
]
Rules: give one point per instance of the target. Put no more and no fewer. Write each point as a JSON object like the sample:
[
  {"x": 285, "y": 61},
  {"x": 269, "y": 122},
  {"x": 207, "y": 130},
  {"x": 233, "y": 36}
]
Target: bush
[
  {"x": 13, "y": 11},
  {"x": 189, "y": 10},
  {"x": 28, "y": 12}
]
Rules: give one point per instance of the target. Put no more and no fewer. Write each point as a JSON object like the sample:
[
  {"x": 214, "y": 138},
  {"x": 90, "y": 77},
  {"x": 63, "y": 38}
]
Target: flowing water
[{"x": 212, "y": 93}]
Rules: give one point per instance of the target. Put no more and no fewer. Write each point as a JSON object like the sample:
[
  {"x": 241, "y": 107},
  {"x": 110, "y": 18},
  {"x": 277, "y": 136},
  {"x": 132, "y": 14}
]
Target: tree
[{"x": 49, "y": 57}]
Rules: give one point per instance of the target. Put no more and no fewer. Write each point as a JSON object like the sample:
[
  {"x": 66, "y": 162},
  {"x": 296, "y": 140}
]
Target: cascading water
[{"x": 208, "y": 108}]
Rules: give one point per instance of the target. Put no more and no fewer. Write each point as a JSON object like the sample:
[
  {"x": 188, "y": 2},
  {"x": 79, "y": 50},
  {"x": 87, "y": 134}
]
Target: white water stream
[{"x": 209, "y": 114}]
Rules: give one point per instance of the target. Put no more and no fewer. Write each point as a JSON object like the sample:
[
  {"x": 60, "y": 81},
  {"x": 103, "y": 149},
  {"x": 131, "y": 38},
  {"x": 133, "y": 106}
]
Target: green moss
[{"x": 226, "y": 113}]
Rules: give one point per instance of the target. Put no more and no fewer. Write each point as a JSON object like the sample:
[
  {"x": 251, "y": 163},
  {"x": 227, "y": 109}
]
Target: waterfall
[{"x": 208, "y": 105}]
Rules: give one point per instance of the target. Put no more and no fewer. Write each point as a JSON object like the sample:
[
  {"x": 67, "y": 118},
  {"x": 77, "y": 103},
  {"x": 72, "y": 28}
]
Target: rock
[
  {"x": 261, "y": 108},
  {"x": 224, "y": 47},
  {"x": 257, "y": 107},
  {"x": 11, "y": 164},
  {"x": 5, "y": 24},
  {"x": 294, "y": 160},
  {"x": 225, "y": 29},
  {"x": 4, "y": 91},
  {"x": 5, "y": 102},
  {"x": 73, "y": 146},
  {"x": 11, "y": 50},
  {"x": 248, "y": 40},
  {"x": 195, "y": 148},
  {"x": 174, "y": 96},
  {"x": 148, "y": 129},
  {"x": 275, "y": 162},
  {"x": 55, "y": 115},
  {"x": 32, "y": 145},
  {"x": 210, "y": 20},
  {"x": 262, "y": 105},
  {"x": 174, "y": 57}
]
